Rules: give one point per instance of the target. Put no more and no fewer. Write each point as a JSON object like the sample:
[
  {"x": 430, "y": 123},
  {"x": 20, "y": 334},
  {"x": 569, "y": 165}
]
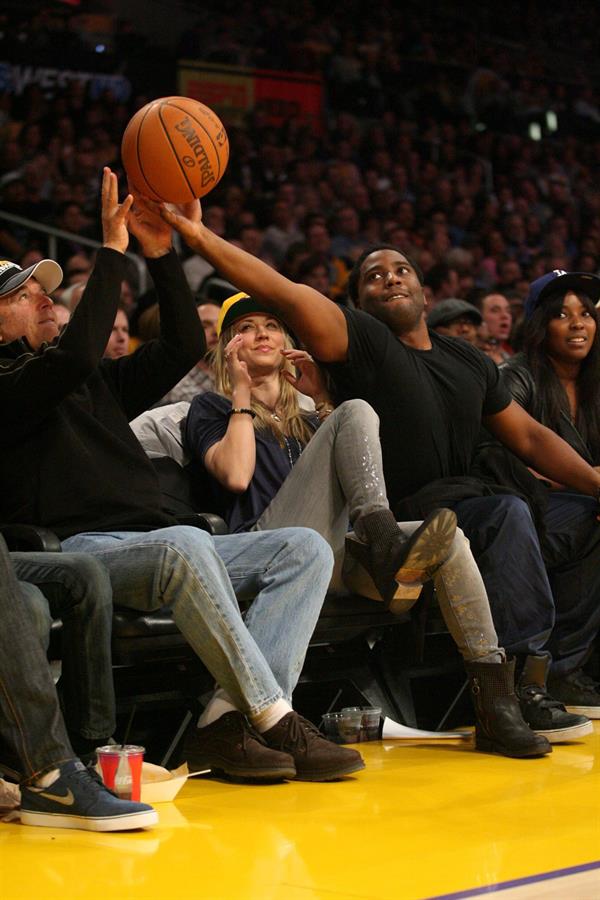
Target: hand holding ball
[{"x": 175, "y": 149}]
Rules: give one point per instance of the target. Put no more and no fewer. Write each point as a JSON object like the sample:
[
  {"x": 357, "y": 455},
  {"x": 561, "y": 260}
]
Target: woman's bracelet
[
  {"x": 324, "y": 409},
  {"x": 242, "y": 409}
]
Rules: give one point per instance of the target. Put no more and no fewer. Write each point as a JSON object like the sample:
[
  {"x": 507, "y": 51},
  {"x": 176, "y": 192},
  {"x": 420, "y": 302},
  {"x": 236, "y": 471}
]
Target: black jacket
[
  {"x": 68, "y": 459},
  {"x": 519, "y": 380}
]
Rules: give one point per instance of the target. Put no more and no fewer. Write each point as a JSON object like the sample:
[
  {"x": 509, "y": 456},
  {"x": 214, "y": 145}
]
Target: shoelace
[
  {"x": 535, "y": 694},
  {"x": 242, "y": 728},
  {"x": 250, "y": 732},
  {"x": 302, "y": 732},
  {"x": 91, "y": 780}
]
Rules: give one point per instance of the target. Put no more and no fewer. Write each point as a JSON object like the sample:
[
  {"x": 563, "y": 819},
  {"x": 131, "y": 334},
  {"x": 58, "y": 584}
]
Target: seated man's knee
[
  {"x": 37, "y": 611},
  {"x": 90, "y": 575},
  {"x": 513, "y": 509},
  {"x": 307, "y": 543}
]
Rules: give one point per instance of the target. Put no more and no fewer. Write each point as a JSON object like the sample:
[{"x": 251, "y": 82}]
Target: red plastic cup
[
  {"x": 121, "y": 768},
  {"x": 135, "y": 758},
  {"x": 109, "y": 758}
]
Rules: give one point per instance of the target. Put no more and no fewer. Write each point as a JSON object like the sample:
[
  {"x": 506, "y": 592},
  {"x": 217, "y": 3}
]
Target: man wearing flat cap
[{"x": 455, "y": 318}]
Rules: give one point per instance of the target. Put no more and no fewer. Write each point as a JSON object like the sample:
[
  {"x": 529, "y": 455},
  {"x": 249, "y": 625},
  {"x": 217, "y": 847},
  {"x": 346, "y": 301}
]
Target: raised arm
[
  {"x": 141, "y": 379},
  {"x": 317, "y": 321},
  {"x": 232, "y": 460},
  {"x": 33, "y": 384},
  {"x": 542, "y": 449}
]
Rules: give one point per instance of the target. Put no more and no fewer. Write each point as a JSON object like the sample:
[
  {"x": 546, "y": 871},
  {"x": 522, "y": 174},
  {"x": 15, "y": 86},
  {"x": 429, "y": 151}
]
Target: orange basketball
[{"x": 175, "y": 149}]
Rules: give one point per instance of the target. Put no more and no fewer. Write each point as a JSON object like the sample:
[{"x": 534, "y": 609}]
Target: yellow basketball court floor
[{"x": 426, "y": 820}]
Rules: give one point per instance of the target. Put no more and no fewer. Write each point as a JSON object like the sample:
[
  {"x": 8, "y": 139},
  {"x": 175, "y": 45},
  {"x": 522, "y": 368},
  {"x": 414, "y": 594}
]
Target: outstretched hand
[
  {"x": 309, "y": 378},
  {"x": 114, "y": 214},
  {"x": 186, "y": 218},
  {"x": 148, "y": 226}
]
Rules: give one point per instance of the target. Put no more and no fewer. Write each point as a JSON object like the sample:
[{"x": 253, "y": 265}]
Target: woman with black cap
[{"x": 557, "y": 380}]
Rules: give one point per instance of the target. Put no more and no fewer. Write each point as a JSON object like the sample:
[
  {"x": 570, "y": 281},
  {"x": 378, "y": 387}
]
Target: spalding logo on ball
[{"x": 175, "y": 149}]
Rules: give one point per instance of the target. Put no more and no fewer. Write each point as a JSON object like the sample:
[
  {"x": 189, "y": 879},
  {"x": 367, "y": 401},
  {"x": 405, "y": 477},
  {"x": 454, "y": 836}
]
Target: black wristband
[{"x": 242, "y": 409}]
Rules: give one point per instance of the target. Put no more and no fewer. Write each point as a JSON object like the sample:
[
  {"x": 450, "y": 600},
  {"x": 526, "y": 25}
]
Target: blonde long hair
[{"x": 293, "y": 419}]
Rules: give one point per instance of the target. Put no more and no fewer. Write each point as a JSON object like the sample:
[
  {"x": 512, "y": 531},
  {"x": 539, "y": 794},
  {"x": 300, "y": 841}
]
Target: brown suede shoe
[
  {"x": 316, "y": 758},
  {"x": 230, "y": 746}
]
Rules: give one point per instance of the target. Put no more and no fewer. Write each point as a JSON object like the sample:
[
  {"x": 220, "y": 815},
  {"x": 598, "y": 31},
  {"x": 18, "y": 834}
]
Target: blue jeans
[
  {"x": 572, "y": 559},
  {"x": 76, "y": 588},
  {"x": 31, "y": 724},
  {"x": 197, "y": 575},
  {"x": 539, "y": 604}
]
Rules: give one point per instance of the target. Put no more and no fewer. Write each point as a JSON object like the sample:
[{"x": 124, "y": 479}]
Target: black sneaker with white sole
[
  {"x": 78, "y": 799},
  {"x": 541, "y": 711}
]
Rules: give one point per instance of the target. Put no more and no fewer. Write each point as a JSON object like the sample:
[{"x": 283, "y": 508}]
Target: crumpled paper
[{"x": 10, "y": 800}]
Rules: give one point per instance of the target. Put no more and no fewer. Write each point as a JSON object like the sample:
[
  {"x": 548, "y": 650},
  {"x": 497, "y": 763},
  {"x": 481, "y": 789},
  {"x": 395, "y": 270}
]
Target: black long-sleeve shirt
[{"x": 68, "y": 458}]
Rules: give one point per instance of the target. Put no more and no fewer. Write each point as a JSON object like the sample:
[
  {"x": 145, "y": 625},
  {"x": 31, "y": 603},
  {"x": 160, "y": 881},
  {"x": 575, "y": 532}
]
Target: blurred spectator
[
  {"x": 443, "y": 282},
  {"x": 455, "y": 318},
  {"x": 62, "y": 313},
  {"x": 77, "y": 268},
  {"x": 318, "y": 244},
  {"x": 347, "y": 240},
  {"x": 118, "y": 342},
  {"x": 490, "y": 345},
  {"x": 315, "y": 272},
  {"x": 282, "y": 233},
  {"x": 127, "y": 299},
  {"x": 71, "y": 295},
  {"x": 496, "y": 314},
  {"x": 201, "y": 377}
]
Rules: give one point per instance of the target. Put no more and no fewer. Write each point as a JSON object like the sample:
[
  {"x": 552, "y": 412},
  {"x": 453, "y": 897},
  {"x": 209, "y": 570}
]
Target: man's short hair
[{"x": 354, "y": 276}]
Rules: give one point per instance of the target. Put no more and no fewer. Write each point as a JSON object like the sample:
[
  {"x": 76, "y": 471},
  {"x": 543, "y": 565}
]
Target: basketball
[{"x": 175, "y": 149}]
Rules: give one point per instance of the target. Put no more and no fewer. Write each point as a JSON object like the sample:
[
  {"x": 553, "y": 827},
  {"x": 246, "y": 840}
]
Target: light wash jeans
[
  {"x": 339, "y": 478},
  {"x": 76, "y": 588},
  {"x": 256, "y": 660}
]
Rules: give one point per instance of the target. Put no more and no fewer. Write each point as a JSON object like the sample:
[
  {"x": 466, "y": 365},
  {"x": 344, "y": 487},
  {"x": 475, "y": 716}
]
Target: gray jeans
[
  {"x": 30, "y": 721},
  {"x": 339, "y": 478},
  {"x": 76, "y": 589}
]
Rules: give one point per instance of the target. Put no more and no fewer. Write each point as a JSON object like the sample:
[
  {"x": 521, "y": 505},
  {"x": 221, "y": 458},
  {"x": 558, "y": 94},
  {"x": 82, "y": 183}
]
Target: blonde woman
[{"x": 272, "y": 464}]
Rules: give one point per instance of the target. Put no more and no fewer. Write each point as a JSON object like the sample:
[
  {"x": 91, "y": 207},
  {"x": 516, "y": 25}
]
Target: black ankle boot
[
  {"x": 500, "y": 725},
  {"x": 543, "y": 713},
  {"x": 390, "y": 557}
]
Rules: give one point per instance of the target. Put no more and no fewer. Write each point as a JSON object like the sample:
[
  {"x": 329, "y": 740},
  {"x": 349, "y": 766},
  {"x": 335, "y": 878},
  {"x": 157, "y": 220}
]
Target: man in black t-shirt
[{"x": 432, "y": 395}]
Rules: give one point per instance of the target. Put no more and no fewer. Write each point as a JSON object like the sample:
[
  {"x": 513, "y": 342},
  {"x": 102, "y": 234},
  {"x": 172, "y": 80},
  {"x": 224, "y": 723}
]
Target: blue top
[{"x": 205, "y": 425}]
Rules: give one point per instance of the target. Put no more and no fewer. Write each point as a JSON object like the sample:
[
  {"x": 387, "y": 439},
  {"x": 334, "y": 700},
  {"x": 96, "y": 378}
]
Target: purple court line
[{"x": 517, "y": 882}]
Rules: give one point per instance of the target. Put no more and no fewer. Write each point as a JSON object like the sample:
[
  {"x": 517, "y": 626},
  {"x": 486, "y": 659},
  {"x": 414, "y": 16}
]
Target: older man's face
[
  {"x": 28, "y": 313},
  {"x": 463, "y": 327}
]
